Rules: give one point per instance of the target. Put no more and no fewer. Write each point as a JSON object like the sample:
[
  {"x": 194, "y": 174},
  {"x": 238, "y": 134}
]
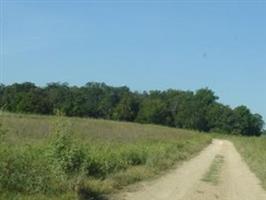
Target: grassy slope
[{"x": 115, "y": 154}]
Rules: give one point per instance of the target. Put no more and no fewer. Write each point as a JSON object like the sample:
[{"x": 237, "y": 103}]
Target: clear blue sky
[{"x": 142, "y": 44}]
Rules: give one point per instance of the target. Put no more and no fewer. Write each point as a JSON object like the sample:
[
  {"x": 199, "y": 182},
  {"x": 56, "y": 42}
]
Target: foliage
[
  {"x": 64, "y": 152},
  {"x": 25, "y": 170},
  {"x": 183, "y": 109},
  {"x": 127, "y": 108},
  {"x": 73, "y": 158},
  {"x": 153, "y": 111}
]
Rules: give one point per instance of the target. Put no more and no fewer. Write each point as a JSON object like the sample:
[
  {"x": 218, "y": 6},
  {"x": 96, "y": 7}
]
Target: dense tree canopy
[{"x": 198, "y": 110}]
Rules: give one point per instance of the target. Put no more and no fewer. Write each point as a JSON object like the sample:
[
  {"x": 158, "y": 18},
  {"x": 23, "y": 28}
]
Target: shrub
[{"x": 64, "y": 152}]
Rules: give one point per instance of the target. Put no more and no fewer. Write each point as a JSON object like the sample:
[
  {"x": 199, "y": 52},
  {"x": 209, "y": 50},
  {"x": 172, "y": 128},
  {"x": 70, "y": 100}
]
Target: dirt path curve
[{"x": 236, "y": 181}]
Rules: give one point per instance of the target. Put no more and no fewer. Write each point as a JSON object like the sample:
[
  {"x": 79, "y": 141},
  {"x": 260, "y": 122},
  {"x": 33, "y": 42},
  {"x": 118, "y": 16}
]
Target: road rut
[{"x": 236, "y": 181}]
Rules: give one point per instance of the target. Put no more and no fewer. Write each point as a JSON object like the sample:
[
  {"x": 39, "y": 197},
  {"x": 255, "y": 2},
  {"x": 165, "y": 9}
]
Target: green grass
[
  {"x": 43, "y": 157},
  {"x": 213, "y": 174},
  {"x": 253, "y": 151}
]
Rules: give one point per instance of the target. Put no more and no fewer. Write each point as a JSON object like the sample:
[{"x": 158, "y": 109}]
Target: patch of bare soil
[{"x": 236, "y": 181}]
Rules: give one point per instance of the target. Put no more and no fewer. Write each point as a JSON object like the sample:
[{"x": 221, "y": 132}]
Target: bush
[{"x": 64, "y": 152}]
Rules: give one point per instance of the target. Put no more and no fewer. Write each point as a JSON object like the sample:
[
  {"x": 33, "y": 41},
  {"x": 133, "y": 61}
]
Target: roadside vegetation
[
  {"x": 197, "y": 110},
  {"x": 253, "y": 151},
  {"x": 45, "y": 157}
]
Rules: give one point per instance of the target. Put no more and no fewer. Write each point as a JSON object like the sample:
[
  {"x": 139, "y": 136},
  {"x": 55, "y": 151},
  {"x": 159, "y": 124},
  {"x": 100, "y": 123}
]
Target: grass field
[
  {"x": 44, "y": 157},
  {"x": 253, "y": 150}
]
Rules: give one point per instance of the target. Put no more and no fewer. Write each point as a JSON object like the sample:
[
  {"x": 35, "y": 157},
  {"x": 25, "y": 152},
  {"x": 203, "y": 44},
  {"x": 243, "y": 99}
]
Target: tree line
[{"x": 197, "y": 110}]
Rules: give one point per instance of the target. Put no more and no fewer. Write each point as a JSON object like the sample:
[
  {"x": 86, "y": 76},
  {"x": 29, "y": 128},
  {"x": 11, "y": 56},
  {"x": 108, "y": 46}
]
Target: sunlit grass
[{"x": 113, "y": 155}]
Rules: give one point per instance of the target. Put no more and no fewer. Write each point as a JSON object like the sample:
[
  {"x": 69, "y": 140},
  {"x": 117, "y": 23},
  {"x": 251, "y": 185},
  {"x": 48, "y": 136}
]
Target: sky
[{"x": 143, "y": 44}]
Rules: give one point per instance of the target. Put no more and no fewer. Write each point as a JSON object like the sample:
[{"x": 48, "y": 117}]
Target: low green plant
[
  {"x": 24, "y": 170},
  {"x": 213, "y": 174},
  {"x": 64, "y": 153}
]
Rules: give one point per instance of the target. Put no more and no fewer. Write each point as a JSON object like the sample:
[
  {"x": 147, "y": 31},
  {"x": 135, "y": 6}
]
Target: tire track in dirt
[{"x": 236, "y": 181}]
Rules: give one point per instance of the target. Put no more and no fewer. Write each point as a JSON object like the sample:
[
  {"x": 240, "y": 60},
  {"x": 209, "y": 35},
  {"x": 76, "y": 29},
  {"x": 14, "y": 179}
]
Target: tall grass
[{"x": 45, "y": 157}]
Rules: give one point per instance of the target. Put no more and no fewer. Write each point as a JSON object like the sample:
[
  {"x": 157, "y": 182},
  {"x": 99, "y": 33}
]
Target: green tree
[
  {"x": 183, "y": 109},
  {"x": 202, "y": 101},
  {"x": 59, "y": 97},
  {"x": 221, "y": 118},
  {"x": 127, "y": 108},
  {"x": 153, "y": 111},
  {"x": 247, "y": 123}
]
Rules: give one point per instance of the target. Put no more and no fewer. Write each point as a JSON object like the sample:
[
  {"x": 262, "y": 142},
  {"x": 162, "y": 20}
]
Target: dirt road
[{"x": 236, "y": 181}]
